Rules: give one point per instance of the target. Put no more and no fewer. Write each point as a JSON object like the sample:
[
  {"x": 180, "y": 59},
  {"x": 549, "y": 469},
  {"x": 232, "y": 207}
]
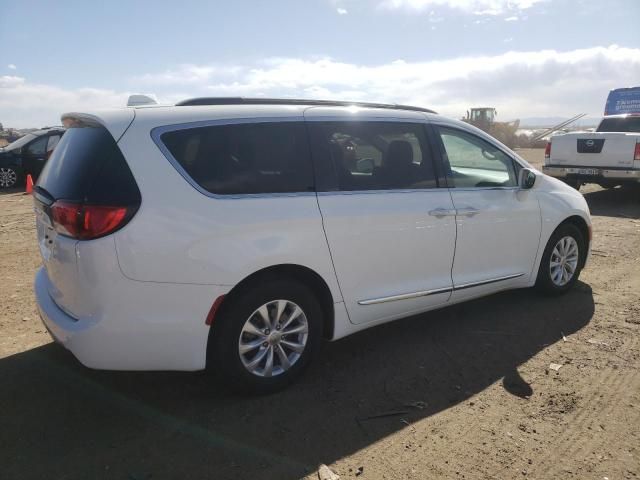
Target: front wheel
[
  {"x": 8, "y": 177},
  {"x": 562, "y": 260},
  {"x": 266, "y": 336}
]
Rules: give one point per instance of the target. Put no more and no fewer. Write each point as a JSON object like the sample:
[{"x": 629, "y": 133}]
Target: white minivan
[{"x": 235, "y": 234}]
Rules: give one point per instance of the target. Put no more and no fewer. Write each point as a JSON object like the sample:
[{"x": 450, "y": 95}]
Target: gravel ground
[{"x": 461, "y": 393}]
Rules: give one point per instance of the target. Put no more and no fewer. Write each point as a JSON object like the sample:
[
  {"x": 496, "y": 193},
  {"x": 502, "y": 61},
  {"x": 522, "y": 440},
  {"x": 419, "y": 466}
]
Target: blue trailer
[{"x": 623, "y": 100}]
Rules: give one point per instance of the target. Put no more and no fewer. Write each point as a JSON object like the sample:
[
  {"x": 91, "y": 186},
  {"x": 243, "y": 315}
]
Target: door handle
[
  {"x": 442, "y": 212},
  {"x": 467, "y": 211}
]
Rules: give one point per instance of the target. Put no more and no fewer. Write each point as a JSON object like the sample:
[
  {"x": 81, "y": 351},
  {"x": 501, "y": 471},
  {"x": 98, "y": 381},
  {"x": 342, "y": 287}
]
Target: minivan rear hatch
[{"x": 86, "y": 191}]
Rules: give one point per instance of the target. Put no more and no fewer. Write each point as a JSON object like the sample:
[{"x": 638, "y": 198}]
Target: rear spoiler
[{"x": 115, "y": 121}]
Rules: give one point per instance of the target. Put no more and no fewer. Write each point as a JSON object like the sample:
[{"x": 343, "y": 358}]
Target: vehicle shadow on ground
[
  {"x": 615, "y": 202},
  {"x": 61, "y": 420},
  {"x": 6, "y": 191}
]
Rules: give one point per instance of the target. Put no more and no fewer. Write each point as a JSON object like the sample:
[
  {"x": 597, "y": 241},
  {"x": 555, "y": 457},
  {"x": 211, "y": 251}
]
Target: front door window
[{"x": 474, "y": 162}]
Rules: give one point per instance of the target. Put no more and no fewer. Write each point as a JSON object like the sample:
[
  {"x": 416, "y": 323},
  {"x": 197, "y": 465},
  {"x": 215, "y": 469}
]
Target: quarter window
[
  {"x": 373, "y": 155},
  {"x": 270, "y": 157},
  {"x": 474, "y": 162}
]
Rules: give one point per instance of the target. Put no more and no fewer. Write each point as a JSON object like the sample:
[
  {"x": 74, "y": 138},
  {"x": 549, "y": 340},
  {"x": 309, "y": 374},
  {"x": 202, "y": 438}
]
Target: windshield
[
  {"x": 20, "y": 142},
  {"x": 620, "y": 124}
]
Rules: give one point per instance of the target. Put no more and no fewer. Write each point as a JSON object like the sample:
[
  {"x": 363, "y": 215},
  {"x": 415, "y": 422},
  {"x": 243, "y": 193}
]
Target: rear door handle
[
  {"x": 442, "y": 212},
  {"x": 467, "y": 211}
]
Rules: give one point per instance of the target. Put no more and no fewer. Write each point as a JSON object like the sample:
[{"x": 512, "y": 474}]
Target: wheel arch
[
  {"x": 299, "y": 273},
  {"x": 584, "y": 228}
]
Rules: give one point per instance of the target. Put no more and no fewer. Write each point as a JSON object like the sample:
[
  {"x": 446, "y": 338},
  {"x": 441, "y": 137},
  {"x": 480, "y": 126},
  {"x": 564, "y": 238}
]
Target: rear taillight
[
  {"x": 86, "y": 222},
  {"x": 547, "y": 151},
  {"x": 636, "y": 153}
]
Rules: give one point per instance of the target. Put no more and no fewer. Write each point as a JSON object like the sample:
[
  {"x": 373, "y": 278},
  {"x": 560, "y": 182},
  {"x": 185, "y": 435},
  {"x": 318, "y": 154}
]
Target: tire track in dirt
[
  {"x": 611, "y": 393},
  {"x": 576, "y": 439}
]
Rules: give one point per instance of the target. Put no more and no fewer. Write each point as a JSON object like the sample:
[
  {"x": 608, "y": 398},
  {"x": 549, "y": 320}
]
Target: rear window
[
  {"x": 270, "y": 157},
  {"x": 621, "y": 124},
  {"x": 88, "y": 166}
]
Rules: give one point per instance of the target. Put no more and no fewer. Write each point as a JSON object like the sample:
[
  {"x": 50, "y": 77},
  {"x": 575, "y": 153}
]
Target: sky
[{"x": 527, "y": 58}]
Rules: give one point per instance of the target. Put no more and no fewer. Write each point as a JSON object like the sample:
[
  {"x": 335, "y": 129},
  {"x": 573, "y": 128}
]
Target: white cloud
[
  {"x": 26, "y": 104},
  {"x": 511, "y": 19},
  {"x": 188, "y": 74},
  {"x": 478, "y": 7},
  {"x": 535, "y": 83},
  {"x": 11, "y": 66},
  {"x": 518, "y": 84},
  {"x": 342, "y": 11}
]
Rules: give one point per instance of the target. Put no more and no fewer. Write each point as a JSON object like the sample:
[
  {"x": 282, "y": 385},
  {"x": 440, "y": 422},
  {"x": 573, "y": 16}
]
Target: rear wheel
[
  {"x": 562, "y": 260},
  {"x": 264, "y": 339},
  {"x": 8, "y": 177}
]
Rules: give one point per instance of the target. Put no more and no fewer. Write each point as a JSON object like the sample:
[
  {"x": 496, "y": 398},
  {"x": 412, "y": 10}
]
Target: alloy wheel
[
  {"x": 8, "y": 177},
  {"x": 564, "y": 261},
  {"x": 273, "y": 338}
]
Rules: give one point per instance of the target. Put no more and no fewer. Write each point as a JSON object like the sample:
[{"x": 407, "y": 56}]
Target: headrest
[{"x": 399, "y": 154}]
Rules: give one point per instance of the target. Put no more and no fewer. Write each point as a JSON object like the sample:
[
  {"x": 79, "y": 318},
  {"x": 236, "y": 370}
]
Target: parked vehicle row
[
  {"x": 27, "y": 156},
  {"x": 236, "y": 234}
]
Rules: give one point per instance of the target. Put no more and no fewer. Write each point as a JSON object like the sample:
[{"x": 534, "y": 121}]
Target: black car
[{"x": 27, "y": 155}]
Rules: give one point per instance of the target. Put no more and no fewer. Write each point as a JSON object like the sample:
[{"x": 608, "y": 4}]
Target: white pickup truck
[{"x": 610, "y": 156}]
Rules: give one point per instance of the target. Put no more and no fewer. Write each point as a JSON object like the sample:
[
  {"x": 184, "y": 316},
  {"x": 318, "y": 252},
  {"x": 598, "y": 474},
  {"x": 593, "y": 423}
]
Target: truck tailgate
[{"x": 611, "y": 150}]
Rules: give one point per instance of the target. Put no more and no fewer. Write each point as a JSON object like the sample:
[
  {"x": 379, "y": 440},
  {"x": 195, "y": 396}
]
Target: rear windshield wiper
[{"x": 43, "y": 195}]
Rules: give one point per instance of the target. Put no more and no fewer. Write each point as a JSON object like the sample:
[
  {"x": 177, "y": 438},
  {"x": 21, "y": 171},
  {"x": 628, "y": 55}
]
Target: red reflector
[
  {"x": 547, "y": 150},
  {"x": 214, "y": 309},
  {"x": 86, "y": 222},
  {"x": 636, "y": 153}
]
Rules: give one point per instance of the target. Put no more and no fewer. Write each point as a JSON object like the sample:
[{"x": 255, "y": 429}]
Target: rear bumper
[
  {"x": 138, "y": 326},
  {"x": 622, "y": 175}
]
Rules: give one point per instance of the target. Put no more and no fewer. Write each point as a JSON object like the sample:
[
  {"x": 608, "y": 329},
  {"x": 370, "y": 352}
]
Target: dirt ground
[{"x": 461, "y": 393}]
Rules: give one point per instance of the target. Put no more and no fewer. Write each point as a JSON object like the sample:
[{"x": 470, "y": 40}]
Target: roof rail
[{"x": 293, "y": 101}]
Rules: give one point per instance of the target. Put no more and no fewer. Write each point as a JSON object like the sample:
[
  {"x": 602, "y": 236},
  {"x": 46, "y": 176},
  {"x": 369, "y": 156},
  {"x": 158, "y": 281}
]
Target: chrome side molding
[
  {"x": 405, "y": 296},
  {"x": 424, "y": 293},
  {"x": 486, "y": 282}
]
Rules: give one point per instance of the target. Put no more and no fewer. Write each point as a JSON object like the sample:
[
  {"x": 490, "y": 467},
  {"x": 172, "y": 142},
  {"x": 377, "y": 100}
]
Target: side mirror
[{"x": 527, "y": 179}]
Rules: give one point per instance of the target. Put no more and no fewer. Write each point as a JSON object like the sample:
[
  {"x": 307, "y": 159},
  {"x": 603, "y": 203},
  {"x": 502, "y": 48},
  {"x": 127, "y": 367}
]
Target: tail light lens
[
  {"x": 86, "y": 222},
  {"x": 547, "y": 151},
  {"x": 636, "y": 153}
]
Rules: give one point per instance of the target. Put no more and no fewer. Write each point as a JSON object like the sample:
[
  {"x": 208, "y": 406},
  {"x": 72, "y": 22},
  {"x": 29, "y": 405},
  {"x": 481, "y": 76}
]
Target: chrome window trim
[
  {"x": 157, "y": 132},
  {"x": 424, "y": 293},
  {"x": 326, "y": 193},
  {"x": 475, "y": 189}
]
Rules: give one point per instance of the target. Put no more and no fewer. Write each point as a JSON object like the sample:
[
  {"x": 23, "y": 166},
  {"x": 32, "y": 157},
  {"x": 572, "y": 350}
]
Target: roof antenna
[{"x": 138, "y": 99}]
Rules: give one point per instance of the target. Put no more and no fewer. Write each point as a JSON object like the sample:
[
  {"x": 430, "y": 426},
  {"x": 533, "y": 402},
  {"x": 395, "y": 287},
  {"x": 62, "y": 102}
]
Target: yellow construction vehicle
[{"x": 484, "y": 119}]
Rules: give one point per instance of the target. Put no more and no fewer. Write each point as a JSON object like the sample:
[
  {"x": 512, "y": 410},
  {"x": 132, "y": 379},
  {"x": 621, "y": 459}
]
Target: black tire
[
  {"x": 544, "y": 282},
  {"x": 223, "y": 358},
  {"x": 573, "y": 183}
]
